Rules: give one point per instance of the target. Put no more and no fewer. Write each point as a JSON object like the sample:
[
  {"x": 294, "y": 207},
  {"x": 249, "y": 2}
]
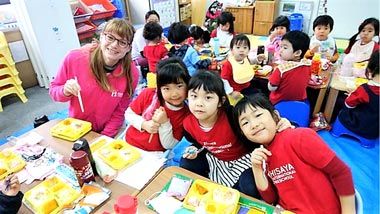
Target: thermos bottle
[
  {"x": 82, "y": 144},
  {"x": 82, "y": 167}
]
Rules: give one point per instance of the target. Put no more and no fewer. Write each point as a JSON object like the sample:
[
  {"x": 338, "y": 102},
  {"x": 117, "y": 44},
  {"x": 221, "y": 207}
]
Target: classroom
[{"x": 189, "y": 106}]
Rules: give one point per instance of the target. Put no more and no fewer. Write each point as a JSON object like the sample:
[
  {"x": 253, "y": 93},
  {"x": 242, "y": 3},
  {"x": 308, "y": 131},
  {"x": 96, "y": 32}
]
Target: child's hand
[
  {"x": 272, "y": 35},
  {"x": 314, "y": 47},
  {"x": 235, "y": 95},
  {"x": 191, "y": 152},
  {"x": 71, "y": 87},
  {"x": 11, "y": 185},
  {"x": 260, "y": 58},
  {"x": 160, "y": 116},
  {"x": 165, "y": 40},
  {"x": 150, "y": 126},
  {"x": 328, "y": 56},
  {"x": 283, "y": 124},
  {"x": 258, "y": 156}
]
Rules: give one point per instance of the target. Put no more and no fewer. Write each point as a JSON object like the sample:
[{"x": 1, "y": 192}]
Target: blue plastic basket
[
  {"x": 120, "y": 9},
  {"x": 296, "y": 20}
]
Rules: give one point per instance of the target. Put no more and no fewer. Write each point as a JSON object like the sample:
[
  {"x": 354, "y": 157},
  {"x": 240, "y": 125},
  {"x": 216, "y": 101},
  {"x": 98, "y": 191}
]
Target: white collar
[
  {"x": 373, "y": 83},
  {"x": 171, "y": 107}
]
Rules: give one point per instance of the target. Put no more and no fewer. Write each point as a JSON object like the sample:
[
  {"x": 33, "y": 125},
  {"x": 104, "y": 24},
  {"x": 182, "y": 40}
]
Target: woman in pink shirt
[{"x": 105, "y": 77}]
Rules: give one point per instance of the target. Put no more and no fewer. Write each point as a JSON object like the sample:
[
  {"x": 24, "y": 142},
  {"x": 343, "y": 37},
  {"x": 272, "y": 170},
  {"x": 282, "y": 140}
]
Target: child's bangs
[
  {"x": 253, "y": 102},
  {"x": 171, "y": 74},
  {"x": 205, "y": 83},
  {"x": 242, "y": 42}
]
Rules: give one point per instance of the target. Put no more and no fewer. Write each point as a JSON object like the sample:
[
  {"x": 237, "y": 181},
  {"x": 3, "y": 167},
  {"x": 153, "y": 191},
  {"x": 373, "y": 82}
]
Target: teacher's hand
[{"x": 71, "y": 87}]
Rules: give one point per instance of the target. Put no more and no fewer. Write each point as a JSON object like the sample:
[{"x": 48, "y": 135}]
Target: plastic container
[
  {"x": 120, "y": 8},
  {"x": 85, "y": 29},
  {"x": 101, "y": 8},
  {"x": 50, "y": 196},
  {"x": 216, "y": 46},
  {"x": 80, "y": 11},
  {"x": 271, "y": 49},
  {"x": 208, "y": 197},
  {"x": 82, "y": 167},
  {"x": 70, "y": 129},
  {"x": 316, "y": 64},
  {"x": 296, "y": 20},
  {"x": 10, "y": 162},
  {"x": 118, "y": 154},
  {"x": 125, "y": 204}
]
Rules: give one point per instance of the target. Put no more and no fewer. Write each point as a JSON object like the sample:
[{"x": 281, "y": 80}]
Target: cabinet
[
  {"x": 264, "y": 16},
  {"x": 185, "y": 11},
  {"x": 243, "y": 18}
]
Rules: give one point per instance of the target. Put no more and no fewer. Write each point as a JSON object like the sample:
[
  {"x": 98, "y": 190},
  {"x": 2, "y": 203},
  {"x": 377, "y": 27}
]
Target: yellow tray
[
  {"x": 70, "y": 129},
  {"x": 10, "y": 162},
  {"x": 118, "y": 154},
  {"x": 50, "y": 196},
  {"x": 211, "y": 198}
]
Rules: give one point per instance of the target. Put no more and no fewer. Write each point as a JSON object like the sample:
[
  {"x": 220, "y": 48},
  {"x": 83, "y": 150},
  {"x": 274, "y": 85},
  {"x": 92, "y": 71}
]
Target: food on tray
[
  {"x": 263, "y": 71},
  {"x": 50, "y": 196},
  {"x": 10, "y": 162},
  {"x": 118, "y": 154},
  {"x": 3, "y": 172},
  {"x": 256, "y": 67},
  {"x": 208, "y": 197},
  {"x": 70, "y": 129},
  {"x": 201, "y": 190},
  {"x": 193, "y": 201},
  {"x": 224, "y": 196}
]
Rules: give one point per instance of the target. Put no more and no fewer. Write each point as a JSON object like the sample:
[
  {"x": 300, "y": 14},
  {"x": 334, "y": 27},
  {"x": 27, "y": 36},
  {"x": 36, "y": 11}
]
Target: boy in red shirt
[
  {"x": 289, "y": 80},
  {"x": 155, "y": 49}
]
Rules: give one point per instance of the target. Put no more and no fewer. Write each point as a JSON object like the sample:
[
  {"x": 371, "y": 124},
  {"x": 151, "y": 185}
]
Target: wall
[
  {"x": 138, "y": 9},
  {"x": 348, "y": 17}
]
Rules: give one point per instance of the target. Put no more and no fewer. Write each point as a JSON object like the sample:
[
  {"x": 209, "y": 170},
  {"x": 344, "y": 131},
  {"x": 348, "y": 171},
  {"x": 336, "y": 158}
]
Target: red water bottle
[{"x": 82, "y": 167}]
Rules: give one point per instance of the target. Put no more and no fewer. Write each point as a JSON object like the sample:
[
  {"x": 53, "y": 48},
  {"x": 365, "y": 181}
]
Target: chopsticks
[
  {"x": 264, "y": 165},
  {"x": 80, "y": 97},
  {"x": 150, "y": 137}
]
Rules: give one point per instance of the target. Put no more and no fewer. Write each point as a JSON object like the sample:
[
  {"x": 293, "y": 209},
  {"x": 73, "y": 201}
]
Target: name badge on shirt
[{"x": 116, "y": 94}]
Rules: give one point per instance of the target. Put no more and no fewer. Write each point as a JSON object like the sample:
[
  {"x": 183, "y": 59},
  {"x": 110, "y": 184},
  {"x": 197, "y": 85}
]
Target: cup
[{"x": 125, "y": 204}]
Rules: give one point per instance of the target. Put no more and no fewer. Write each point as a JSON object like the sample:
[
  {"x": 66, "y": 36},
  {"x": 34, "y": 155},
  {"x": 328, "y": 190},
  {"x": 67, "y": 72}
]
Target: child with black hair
[
  {"x": 155, "y": 49},
  {"x": 281, "y": 25},
  {"x": 139, "y": 42},
  {"x": 178, "y": 35},
  {"x": 225, "y": 30},
  {"x": 155, "y": 116},
  {"x": 363, "y": 47},
  {"x": 361, "y": 112},
  {"x": 237, "y": 72},
  {"x": 289, "y": 80},
  {"x": 198, "y": 36},
  {"x": 216, "y": 151},
  {"x": 294, "y": 168},
  {"x": 10, "y": 195},
  {"x": 321, "y": 42}
]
